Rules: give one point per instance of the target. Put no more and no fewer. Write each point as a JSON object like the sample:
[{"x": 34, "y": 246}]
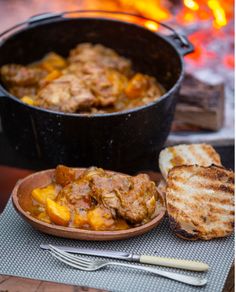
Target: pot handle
[
  {"x": 31, "y": 20},
  {"x": 180, "y": 42}
]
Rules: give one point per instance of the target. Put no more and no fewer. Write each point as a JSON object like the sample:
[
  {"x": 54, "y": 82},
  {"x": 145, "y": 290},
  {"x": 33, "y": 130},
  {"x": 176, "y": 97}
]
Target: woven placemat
[{"x": 21, "y": 256}]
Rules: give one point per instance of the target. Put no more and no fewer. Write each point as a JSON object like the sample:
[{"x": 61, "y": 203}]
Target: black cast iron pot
[{"x": 126, "y": 141}]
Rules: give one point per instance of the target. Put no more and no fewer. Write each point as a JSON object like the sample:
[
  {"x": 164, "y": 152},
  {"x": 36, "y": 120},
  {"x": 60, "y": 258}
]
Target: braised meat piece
[
  {"x": 76, "y": 195},
  {"x": 22, "y": 80},
  {"x": 64, "y": 175},
  {"x": 132, "y": 198},
  {"x": 18, "y": 75},
  {"x": 22, "y": 91},
  {"x": 102, "y": 70},
  {"x": 101, "y": 56},
  {"x": 66, "y": 93},
  {"x": 107, "y": 85}
]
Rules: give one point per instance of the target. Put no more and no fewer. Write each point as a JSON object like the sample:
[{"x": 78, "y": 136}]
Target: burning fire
[
  {"x": 207, "y": 23},
  {"x": 190, "y": 10},
  {"x": 210, "y": 6},
  {"x": 191, "y": 4},
  {"x": 149, "y": 8}
]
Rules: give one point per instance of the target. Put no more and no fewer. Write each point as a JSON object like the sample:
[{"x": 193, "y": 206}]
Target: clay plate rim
[{"x": 76, "y": 233}]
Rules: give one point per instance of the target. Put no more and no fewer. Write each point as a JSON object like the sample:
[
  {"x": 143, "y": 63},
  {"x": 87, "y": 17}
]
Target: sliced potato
[
  {"x": 28, "y": 100},
  {"x": 121, "y": 225},
  {"x": 81, "y": 219},
  {"x": 137, "y": 86},
  {"x": 41, "y": 194},
  {"x": 100, "y": 219},
  {"x": 53, "y": 61},
  {"x": 58, "y": 214},
  {"x": 50, "y": 77},
  {"x": 44, "y": 217}
]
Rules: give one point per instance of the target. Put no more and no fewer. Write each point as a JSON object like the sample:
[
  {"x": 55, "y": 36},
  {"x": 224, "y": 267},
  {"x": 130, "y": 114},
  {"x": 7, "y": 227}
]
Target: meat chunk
[
  {"x": 106, "y": 84},
  {"x": 18, "y": 75},
  {"x": 101, "y": 56},
  {"x": 76, "y": 195},
  {"x": 21, "y": 91},
  {"x": 132, "y": 198},
  {"x": 101, "y": 70},
  {"x": 64, "y": 175},
  {"x": 66, "y": 93},
  {"x": 22, "y": 80},
  {"x": 140, "y": 202}
]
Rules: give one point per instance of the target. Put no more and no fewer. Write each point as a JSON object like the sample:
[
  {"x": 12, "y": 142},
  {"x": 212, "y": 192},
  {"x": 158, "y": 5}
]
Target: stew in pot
[{"x": 93, "y": 79}]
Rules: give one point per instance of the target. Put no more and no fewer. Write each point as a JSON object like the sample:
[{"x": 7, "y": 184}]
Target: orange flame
[
  {"x": 151, "y": 25},
  {"x": 218, "y": 12},
  {"x": 149, "y": 8},
  {"x": 191, "y": 4}
]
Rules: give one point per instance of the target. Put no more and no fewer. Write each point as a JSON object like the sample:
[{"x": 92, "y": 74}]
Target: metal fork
[{"x": 89, "y": 265}]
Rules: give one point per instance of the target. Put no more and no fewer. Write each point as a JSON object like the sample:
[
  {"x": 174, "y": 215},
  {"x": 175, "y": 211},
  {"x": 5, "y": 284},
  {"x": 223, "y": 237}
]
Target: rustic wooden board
[{"x": 201, "y": 104}]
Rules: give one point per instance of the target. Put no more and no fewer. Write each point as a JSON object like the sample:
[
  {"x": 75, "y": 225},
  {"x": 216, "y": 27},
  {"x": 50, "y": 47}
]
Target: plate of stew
[{"x": 89, "y": 204}]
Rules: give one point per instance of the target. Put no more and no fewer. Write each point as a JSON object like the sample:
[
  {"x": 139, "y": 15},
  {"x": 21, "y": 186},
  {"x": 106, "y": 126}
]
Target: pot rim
[{"x": 119, "y": 113}]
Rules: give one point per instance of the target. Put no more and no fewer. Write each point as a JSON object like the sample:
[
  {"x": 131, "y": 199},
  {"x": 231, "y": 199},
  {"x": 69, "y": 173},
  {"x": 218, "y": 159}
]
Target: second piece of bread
[{"x": 193, "y": 154}]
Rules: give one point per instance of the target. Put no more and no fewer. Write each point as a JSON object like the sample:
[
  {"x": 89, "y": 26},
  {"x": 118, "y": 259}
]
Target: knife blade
[{"x": 144, "y": 259}]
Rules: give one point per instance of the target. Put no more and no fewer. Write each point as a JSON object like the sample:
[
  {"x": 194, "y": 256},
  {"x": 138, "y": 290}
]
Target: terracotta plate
[{"x": 21, "y": 197}]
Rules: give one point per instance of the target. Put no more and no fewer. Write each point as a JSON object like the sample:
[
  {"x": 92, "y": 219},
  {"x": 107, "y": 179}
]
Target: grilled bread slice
[
  {"x": 200, "y": 201},
  {"x": 200, "y": 154}
]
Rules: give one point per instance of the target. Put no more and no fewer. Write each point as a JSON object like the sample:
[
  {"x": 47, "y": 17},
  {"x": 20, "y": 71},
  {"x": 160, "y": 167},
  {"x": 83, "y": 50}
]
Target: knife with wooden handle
[{"x": 144, "y": 259}]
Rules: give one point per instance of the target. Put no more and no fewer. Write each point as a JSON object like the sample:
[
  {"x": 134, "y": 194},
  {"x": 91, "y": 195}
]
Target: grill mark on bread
[
  {"x": 195, "y": 154},
  {"x": 197, "y": 157},
  {"x": 212, "y": 209},
  {"x": 176, "y": 158},
  {"x": 217, "y": 188},
  {"x": 200, "y": 201},
  {"x": 222, "y": 187},
  {"x": 212, "y": 153},
  {"x": 214, "y": 175},
  {"x": 211, "y": 194},
  {"x": 220, "y": 210},
  {"x": 206, "y": 174}
]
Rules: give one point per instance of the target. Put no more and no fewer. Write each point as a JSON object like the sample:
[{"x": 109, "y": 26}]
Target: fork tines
[{"x": 69, "y": 259}]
